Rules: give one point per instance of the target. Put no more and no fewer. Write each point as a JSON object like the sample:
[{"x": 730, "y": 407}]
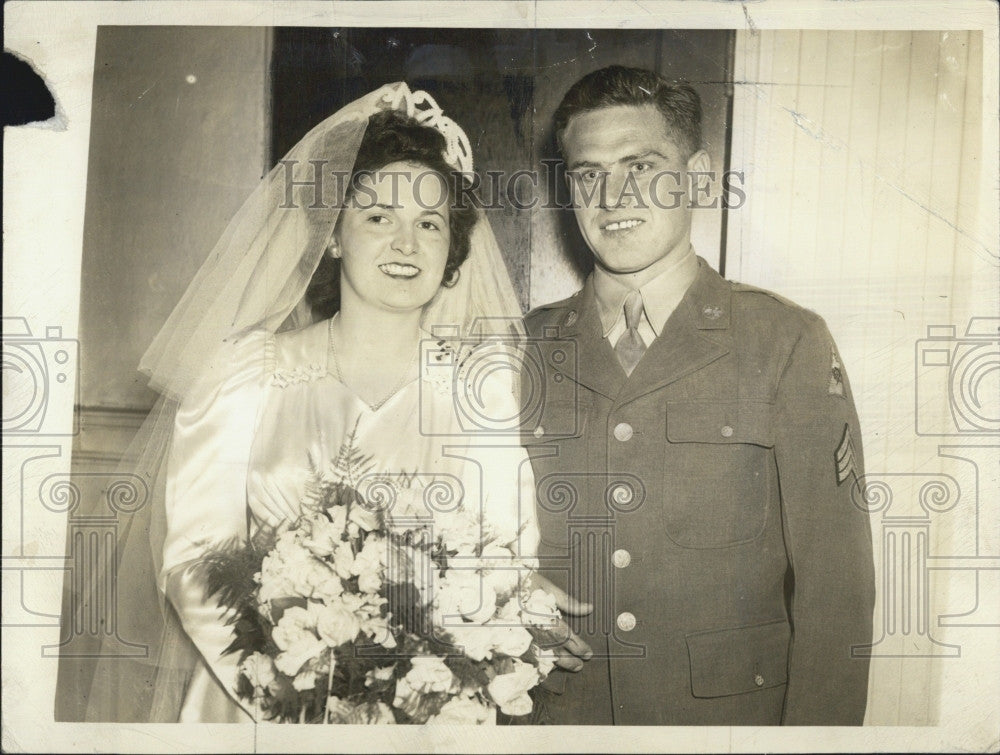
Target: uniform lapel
[
  {"x": 596, "y": 366},
  {"x": 695, "y": 335}
]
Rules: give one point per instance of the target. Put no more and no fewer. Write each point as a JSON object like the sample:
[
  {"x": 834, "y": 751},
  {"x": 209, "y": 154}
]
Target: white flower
[
  {"x": 337, "y": 624},
  {"x": 359, "y": 604},
  {"x": 368, "y": 564},
  {"x": 279, "y": 567},
  {"x": 286, "y": 543},
  {"x": 318, "y": 580},
  {"x": 304, "y": 680},
  {"x": 463, "y": 592},
  {"x": 511, "y": 640},
  {"x": 259, "y": 670},
  {"x": 338, "y": 517},
  {"x": 380, "y": 674},
  {"x": 339, "y": 710},
  {"x": 377, "y": 627},
  {"x": 291, "y": 570},
  {"x": 539, "y": 609},
  {"x": 462, "y": 710},
  {"x": 296, "y": 624},
  {"x": 291, "y": 661},
  {"x": 460, "y": 529},
  {"x": 373, "y": 603},
  {"x": 407, "y": 699},
  {"x": 343, "y": 561},
  {"x": 323, "y": 537},
  {"x": 369, "y": 581},
  {"x": 474, "y": 640},
  {"x": 295, "y": 636},
  {"x": 510, "y": 691},
  {"x": 509, "y": 613},
  {"x": 364, "y": 516},
  {"x": 429, "y": 673}
]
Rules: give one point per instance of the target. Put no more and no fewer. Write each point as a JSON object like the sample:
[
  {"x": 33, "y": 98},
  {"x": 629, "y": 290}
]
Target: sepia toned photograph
[{"x": 529, "y": 366}]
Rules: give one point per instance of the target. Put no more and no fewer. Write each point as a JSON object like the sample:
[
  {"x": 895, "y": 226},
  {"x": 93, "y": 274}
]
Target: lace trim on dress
[
  {"x": 304, "y": 373},
  {"x": 286, "y": 370}
]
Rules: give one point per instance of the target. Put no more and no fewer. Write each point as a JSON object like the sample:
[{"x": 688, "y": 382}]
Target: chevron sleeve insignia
[{"x": 846, "y": 457}]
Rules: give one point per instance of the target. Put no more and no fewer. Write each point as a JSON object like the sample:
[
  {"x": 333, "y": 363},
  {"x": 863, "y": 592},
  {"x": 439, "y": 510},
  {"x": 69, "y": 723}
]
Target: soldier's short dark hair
[{"x": 678, "y": 103}]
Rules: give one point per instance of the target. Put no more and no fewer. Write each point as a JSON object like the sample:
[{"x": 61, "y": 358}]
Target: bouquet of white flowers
[{"x": 362, "y": 611}]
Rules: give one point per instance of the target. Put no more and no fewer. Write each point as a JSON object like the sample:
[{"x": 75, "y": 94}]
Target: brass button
[
  {"x": 623, "y": 431},
  {"x": 727, "y": 432},
  {"x": 621, "y": 558},
  {"x": 538, "y": 432},
  {"x": 626, "y": 621},
  {"x": 758, "y": 680}
]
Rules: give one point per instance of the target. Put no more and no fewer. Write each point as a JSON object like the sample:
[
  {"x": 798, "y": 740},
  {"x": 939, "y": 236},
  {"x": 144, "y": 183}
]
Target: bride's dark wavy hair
[{"x": 393, "y": 137}]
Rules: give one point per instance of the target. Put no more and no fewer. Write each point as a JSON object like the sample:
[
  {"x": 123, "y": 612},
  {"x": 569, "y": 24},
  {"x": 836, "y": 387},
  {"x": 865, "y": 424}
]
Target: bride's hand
[{"x": 571, "y": 651}]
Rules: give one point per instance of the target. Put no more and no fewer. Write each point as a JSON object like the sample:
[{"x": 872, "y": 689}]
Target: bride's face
[{"x": 393, "y": 238}]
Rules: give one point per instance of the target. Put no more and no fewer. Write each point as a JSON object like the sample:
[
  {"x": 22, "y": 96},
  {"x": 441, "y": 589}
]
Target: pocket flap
[
  {"x": 742, "y": 659},
  {"x": 720, "y": 422}
]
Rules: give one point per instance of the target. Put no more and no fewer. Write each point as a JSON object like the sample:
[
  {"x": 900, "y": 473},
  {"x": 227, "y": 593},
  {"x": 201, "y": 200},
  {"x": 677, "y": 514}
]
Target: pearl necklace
[{"x": 340, "y": 377}]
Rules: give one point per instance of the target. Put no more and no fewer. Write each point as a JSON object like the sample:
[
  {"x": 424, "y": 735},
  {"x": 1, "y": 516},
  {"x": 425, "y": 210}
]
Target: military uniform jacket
[{"x": 709, "y": 506}]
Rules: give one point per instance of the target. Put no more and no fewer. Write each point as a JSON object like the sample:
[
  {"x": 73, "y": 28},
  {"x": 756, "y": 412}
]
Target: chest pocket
[{"x": 719, "y": 475}]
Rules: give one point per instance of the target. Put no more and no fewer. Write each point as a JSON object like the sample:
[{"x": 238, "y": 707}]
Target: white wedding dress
[{"x": 240, "y": 457}]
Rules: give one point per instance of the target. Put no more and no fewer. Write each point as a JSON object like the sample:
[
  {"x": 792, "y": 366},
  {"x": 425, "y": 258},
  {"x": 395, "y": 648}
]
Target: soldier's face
[{"x": 630, "y": 187}]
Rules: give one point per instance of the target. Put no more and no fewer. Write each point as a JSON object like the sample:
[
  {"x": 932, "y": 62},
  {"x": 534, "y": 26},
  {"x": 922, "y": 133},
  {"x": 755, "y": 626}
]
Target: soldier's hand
[{"x": 570, "y": 650}]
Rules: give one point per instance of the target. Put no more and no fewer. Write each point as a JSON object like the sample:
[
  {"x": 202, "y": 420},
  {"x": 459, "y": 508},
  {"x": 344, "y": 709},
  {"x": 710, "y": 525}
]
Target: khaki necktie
[{"x": 630, "y": 346}]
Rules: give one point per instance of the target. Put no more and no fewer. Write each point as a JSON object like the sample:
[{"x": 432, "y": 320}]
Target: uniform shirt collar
[{"x": 660, "y": 296}]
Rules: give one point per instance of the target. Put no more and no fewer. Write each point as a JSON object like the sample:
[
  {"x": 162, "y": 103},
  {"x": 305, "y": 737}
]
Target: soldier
[{"x": 702, "y": 489}]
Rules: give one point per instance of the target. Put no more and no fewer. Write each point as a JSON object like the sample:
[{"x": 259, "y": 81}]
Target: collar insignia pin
[{"x": 712, "y": 313}]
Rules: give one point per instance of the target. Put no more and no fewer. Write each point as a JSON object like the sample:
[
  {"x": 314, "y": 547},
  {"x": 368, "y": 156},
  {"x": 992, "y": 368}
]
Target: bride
[{"x": 339, "y": 302}]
